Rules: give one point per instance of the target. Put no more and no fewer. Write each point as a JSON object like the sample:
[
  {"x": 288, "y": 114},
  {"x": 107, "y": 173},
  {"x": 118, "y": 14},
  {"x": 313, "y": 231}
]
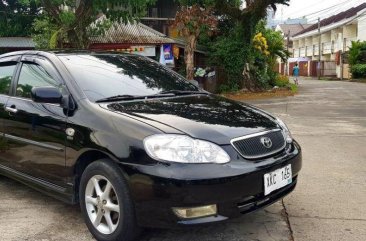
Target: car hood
[{"x": 210, "y": 117}]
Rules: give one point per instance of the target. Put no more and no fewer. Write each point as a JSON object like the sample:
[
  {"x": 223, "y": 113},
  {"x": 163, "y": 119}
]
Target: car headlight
[
  {"x": 285, "y": 130},
  {"x": 184, "y": 149}
]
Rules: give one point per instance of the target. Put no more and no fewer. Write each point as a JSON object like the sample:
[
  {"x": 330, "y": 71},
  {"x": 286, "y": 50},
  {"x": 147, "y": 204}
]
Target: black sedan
[{"x": 136, "y": 144}]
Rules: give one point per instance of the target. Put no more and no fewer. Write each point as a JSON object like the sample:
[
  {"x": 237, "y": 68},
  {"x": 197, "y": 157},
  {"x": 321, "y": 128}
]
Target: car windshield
[{"x": 102, "y": 76}]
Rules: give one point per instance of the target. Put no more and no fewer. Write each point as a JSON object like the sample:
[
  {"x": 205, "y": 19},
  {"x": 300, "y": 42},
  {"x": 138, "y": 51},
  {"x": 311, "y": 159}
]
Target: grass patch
[
  {"x": 294, "y": 88},
  {"x": 358, "y": 80},
  {"x": 273, "y": 93}
]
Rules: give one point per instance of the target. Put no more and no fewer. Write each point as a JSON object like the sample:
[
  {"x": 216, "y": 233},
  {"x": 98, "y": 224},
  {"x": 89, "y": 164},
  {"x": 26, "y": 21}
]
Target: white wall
[
  {"x": 362, "y": 28},
  {"x": 350, "y": 31}
]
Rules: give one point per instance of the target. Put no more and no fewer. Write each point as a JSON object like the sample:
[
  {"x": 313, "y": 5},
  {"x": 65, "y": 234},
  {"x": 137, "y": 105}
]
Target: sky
[{"x": 315, "y": 8}]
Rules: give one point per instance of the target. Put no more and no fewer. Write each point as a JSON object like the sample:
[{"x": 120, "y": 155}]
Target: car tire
[{"x": 106, "y": 203}]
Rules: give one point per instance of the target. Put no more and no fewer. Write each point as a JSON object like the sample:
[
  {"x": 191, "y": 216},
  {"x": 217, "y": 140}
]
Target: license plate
[{"x": 277, "y": 179}]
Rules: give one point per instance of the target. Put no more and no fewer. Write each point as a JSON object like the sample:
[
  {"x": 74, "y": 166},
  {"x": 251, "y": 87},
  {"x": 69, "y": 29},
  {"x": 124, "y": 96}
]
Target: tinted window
[
  {"x": 6, "y": 73},
  {"x": 33, "y": 75},
  {"x": 102, "y": 76}
]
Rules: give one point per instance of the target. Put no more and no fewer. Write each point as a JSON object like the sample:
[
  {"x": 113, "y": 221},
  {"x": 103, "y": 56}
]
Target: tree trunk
[
  {"x": 73, "y": 39},
  {"x": 189, "y": 56},
  {"x": 77, "y": 38}
]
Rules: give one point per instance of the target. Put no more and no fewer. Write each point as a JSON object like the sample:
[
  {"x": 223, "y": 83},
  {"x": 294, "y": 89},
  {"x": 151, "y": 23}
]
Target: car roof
[{"x": 63, "y": 52}]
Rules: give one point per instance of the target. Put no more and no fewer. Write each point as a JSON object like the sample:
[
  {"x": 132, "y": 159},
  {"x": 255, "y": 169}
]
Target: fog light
[
  {"x": 289, "y": 140},
  {"x": 196, "y": 212}
]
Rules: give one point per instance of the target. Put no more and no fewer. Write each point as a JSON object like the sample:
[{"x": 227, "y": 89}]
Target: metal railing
[
  {"x": 302, "y": 52},
  {"x": 327, "y": 48},
  {"x": 315, "y": 50},
  {"x": 309, "y": 51}
]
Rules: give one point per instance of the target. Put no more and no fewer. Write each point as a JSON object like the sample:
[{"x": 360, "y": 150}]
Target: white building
[{"x": 337, "y": 34}]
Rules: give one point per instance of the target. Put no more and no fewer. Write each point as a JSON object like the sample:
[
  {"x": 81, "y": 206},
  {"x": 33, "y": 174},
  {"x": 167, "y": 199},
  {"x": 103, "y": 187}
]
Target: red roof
[{"x": 335, "y": 18}]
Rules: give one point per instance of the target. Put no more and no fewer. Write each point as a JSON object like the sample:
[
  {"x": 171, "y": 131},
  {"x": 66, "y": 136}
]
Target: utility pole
[
  {"x": 320, "y": 50},
  {"x": 287, "y": 47}
]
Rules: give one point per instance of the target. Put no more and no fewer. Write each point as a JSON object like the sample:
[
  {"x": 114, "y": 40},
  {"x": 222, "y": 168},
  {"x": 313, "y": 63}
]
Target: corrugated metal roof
[
  {"x": 131, "y": 33},
  {"x": 16, "y": 42},
  {"x": 352, "y": 12}
]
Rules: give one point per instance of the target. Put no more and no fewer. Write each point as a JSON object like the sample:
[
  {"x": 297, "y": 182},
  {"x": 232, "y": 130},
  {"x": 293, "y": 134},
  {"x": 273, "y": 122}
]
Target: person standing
[{"x": 295, "y": 73}]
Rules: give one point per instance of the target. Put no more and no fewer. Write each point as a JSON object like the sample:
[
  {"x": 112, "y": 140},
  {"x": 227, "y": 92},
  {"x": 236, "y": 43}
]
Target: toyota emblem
[{"x": 266, "y": 142}]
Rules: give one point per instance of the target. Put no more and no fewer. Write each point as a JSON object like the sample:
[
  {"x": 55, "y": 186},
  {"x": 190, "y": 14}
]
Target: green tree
[
  {"x": 357, "y": 53},
  {"x": 16, "y": 17},
  {"x": 70, "y": 20},
  {"x": 43, "y": 31},
  {"x": 268, "y": 46},
  {"x": 191, "y": 22},
  {"x": 250, "y": 16},
  {"x": 237, "y": 28},
  {"x": 357, "y": 59}
]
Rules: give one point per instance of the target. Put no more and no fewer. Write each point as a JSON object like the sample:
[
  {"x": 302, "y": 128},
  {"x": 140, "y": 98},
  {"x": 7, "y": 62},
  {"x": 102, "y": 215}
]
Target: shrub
[
  {"x": 294, "y": 88},
  {"x": 358, "y": 71},
  {"x": 282, "y": 81},
  {"x": 357, "y": 53}
]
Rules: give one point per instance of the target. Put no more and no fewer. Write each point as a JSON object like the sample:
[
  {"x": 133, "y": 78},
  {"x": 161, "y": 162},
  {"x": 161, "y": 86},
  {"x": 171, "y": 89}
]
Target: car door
[
  {"x": 35, "y": 131},
  {"x": 8, "y": 66}
]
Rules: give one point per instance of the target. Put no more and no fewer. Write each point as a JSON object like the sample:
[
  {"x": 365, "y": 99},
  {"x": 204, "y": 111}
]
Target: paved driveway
[{"x": 329, "y": 121}]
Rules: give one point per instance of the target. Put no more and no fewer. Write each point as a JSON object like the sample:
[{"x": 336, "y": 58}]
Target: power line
[
  {"x": 325, "y": 11},
  {"x": 312, "y": 6}
]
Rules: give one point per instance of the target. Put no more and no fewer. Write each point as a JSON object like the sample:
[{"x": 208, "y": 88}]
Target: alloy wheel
[{"x": 102, "y": 204}]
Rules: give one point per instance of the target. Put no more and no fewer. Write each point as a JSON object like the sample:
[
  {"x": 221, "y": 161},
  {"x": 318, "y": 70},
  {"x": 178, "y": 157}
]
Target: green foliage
[
  {"x": 204, "y": 3},
  {"x": 5, "y": 83},
  {"x": 230, "y": 53},
  {"x": 294, "y": 88},
  {"x": 43, "y": 33},
  {"x": 266, "y": 57},
  {"x": 357, "y": 59},
  {"x": 358, "y": 71},
  {"x": 276, "y": 46},
  {"x": 272, "y": 77},
  {"x": 72, "y": 24},
  {"x": 99, "y": 27},
  {"x": 357, "y": 53},
  {"x": 121, "y": 10},
  {"x": 67, "y": 18},
  {"x": 233, "y": 49},
  {"x": 16, "y": 17},
  {"x": 282, "y": 81},
  {"x": 262, "y": 77}
]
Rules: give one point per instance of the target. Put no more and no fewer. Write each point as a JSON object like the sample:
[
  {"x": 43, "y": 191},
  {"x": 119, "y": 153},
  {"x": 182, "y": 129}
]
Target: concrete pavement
[{"x": 329, "y": 121}]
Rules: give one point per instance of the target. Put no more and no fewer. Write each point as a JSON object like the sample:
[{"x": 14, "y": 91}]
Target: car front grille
[{"x": 252, "y": 147}]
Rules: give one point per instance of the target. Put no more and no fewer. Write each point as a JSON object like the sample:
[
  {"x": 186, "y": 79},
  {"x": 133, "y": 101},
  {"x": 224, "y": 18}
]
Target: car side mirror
[{"x": 49, "y": 94}]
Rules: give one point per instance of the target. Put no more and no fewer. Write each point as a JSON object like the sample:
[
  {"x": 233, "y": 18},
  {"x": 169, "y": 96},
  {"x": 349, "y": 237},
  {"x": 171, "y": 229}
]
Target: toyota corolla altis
[{"x": 136, "y": 144}]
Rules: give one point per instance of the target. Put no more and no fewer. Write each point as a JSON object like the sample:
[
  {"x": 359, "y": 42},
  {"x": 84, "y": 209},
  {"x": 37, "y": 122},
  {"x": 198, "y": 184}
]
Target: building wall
[
  {"x": 362, "y": 28},
  {"x": 350, "y": 31},
  {"x": 332, "y": 42}
]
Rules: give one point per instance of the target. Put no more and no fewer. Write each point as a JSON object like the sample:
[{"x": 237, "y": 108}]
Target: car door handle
[{"x": 11, "y": 109}]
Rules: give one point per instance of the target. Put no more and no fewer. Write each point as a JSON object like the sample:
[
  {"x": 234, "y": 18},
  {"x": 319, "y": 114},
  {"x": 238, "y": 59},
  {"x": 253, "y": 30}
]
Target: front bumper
[{"x": 236, "y": 188}]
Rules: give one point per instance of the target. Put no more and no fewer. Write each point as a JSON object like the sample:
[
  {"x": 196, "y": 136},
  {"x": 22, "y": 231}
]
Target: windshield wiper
[
  {"x": 184, "y": 92},
  {"x": 159, "y": 95},
  {"x": 133, "y": 97},
  {"x": 119, "y": 97}
]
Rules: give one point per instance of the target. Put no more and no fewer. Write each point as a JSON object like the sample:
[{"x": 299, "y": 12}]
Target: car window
[
  {"x": 101, "y": 76},
  {"x": 33, "y": 75},
  {"x": 7, "y": 70}
]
